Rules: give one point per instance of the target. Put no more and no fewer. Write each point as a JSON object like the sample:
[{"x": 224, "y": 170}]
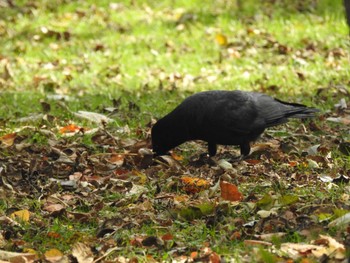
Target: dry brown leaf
[
  {"x": 167, "y": 237},
  {"x": 214, "y": 258},
  {"x": 332, "y": 248},
  {"x": 75, "y": 176},
  {"x": 8, "y": 139},
  {"x": 257, "y": 243},
  {"x": 117, "y": 159},
  {"x": 252, "y": 161},
  {"x": 53, "y": 208},
  {"x": 82, "y": 253},
  {"x": 194, "y": 254},
  {"x": 15, "y": 256},
  {"x": 230, "y": 192},
  {"x": 343, "y": 120},
  {"x": 296, "y": 250},
  {"x": 271, "y": 236},
  {"x": 93, "y": 116}
]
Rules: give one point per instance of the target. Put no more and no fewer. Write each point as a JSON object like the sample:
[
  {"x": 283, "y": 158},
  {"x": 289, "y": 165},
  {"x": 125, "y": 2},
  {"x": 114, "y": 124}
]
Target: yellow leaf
[
  {"x": 29, "y": 250},
  {"x": 221, "y": 39},
  {"x": 21, "y": 215},
  {"x": 142, "y": 176},
  {"x": 53, "y": 255},
  {"x": 194, "y": 184}
]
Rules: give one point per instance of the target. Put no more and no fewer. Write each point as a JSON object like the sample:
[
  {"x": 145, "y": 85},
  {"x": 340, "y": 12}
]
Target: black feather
[{"x": 223, "y": 117}]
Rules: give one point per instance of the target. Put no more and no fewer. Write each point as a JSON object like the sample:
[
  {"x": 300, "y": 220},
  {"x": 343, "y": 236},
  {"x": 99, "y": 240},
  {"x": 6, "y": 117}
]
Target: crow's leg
[
  {"x": 245, "y": 150},
  {"x": 212, "y": 149}
]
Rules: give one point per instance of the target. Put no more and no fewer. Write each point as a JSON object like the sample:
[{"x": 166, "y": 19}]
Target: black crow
[{"x": 223, "y": 117}]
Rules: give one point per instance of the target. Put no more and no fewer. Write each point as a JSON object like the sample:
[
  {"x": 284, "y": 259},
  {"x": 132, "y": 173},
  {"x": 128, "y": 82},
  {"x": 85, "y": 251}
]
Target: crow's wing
[
  {"x": 246, "y": 112},
  {"x": 239, "y": 112},
  {"x": 233, "y": 111}
]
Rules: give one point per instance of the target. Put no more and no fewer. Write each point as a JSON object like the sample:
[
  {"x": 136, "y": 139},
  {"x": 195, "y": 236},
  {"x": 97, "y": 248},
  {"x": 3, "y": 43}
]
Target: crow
[{"x": 225, "y": 118}]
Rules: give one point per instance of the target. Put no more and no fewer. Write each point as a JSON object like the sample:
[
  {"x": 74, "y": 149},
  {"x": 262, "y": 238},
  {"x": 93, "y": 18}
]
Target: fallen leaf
[
  {"x": 225, "y": 165},
  {"x": 15, "y": 257},
  {"x": 82, "y": 253},
  {"x": 117, "y": 159},
  {"x": 54, "y": 209},
  {"x": 288, "y": 199},
  {"x": 333, "y": 249},
  {"x": 221, "y": 39},
  {"x": 257, "y": 243},
  {"x": 193, "y": 254},
  {"x": 252, "y": 161},
  {"x": 296, "y": 251},
  {"x": 54, "y": 235},
  {"x": 214, "y": 258},
  {"x": 53, "y": 255},
  {"x": 266, "y": 213},
  {"x": 194, "y": 184},
  {"x": 93, "y": 117},
  {"x": 342, "y": 120},
  {"x": 137, "y": 190},
  {"x": 176, "y": 157},
  {"x": 167, "y": 237},
  {"x": 70, "y": 128},
  {"x": 293, "y": 163},
  {"x": 325, "y": 178},
  {"x": 236, "y": 236},
  {"x": 8, "y": 139},
  {"x": 340, "y": 221},
  {"x": 266, "y": 201},
  {"x": 230, "y": 192},
  {"x": 312, "y": 164},
  {"x": 21, "y": 215}
]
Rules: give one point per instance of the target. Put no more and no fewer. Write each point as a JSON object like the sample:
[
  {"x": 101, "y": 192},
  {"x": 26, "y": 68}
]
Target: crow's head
[
  {"x": 160, "y": 139},
  {"x": 167, "y": 133}
]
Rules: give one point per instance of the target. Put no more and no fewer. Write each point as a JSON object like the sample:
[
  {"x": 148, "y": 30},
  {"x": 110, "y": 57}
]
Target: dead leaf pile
[{"x": 116, "y": 184}]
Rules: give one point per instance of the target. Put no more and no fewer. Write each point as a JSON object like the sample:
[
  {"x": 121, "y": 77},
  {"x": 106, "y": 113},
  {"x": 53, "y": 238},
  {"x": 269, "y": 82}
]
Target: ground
[{"x": 81, "y": 84}]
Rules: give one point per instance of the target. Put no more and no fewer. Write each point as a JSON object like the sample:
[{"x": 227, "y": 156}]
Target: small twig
[
  {"x": 107, "y": 253},
  {"x": 163, "y": 163},
  {"x": 111, "y": 136},
  {"x": 59, "y": 200}
]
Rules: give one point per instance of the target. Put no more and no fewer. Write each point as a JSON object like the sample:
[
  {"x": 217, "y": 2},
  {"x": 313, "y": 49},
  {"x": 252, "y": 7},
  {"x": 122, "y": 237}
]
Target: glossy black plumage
[{"x": 223, "y": 117}]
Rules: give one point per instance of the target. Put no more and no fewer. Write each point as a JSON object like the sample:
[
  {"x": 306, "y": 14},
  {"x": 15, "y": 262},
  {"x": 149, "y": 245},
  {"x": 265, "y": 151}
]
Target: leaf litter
[
  {"x": 81, "y": 183},
  {"x": 291, "y": 188}
]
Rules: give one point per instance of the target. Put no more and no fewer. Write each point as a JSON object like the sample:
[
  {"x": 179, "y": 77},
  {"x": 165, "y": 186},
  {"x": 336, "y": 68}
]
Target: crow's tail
[{"x": 300, "y": 111}]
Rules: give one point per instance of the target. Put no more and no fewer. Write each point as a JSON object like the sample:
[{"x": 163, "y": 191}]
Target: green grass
[{"x": 144, "y": 57}]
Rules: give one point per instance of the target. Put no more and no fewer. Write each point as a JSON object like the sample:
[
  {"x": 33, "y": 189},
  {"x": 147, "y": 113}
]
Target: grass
[{"x": 141, "y": 58}]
